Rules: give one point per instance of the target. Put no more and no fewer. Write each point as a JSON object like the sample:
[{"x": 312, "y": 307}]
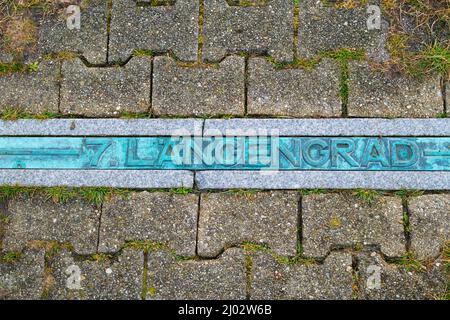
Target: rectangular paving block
[
  {"x": 110, "y": 91},
  {"x": 135, "y": 179},
  {"x": 157, "y": 216},
  {"x": 325, "y": 28},
  {"x": 223, "y": 278},
  {"x": 196, "y": 91},
  {"x": 39, "y": 218},
  {"x": 264, "y": 29},
  {"x": 32, "y": 92},
  {"x": 90, "y": 40},
  {"x": 139, "y": 26},
  {"x": 376, "y": 93},
  {"x": 337, "y": 220},
  {"x": 229, "y": 219},
  {"x": 293, "y": 92},
  {"x": 378, "y": 280},
  {"x": 120, "y": 278},
  {"x": 430, "y": 224},
  {"x": 272, "y": 280},
  {"x": 23, "y": 279}
]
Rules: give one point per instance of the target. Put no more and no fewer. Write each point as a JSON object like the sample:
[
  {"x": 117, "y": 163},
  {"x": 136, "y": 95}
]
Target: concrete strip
[
  {"x": 101, "y": 127},
  {"x": 381, "y": 180},
  {"x": 332, "y": 127},
  {"x": 136, "y": 179}
]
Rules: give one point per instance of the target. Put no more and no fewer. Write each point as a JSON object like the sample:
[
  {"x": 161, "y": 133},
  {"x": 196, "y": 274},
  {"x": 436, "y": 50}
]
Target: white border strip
[
  {"x": 135, "y": 179},
  {"x": 382, "y": 180}
]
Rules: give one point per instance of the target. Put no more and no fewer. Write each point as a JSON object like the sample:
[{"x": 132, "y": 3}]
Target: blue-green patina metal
[{"x": 223, "y": 153}]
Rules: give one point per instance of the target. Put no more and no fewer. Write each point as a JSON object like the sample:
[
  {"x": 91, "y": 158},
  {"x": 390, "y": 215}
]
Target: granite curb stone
[
  {"x": 223, "y": 278},
  {"x": 229, "y": 219},
  {"x": 187, "y": 91},
  {"x": 430, "y": 224},
  {"x": 294, "y": 92},
  {"x": 255, "y": 29},
  {"x": 144, "y": 216},
  {"x": 272, "y": 280},
  {"x": 335, "y": 220},
  {"x": 106, "y": 91}
]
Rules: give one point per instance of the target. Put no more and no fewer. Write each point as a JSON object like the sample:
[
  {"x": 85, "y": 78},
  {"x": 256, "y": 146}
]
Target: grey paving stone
[
  {"x": 256, "y": 29},
  {"x": 328, "y": 127},
  {"x": 228, "y": 219},
  {"x": 157, "y": 216},
  {"x": 101, "y": 127},
  {"x": 294, "y": 92},
  {"x": 106, "y": 91},
  {"x": 135, "y": 179},
  {"x": 324, "y": 28},
  {"x": 430, "y": 224},
  {"x": 38, "y": 218},
  {"x": 342, "y": 219},
  {"x": 382, "y": 180},
  {"x": 120, "y": 278},
  {"x": 23, "y": 279},
  {"x": 374, "y": 93},
  {"x": 222, "y": 278},
  {"x": 379, "y": 280},
  {"x": 272, "y": 280},
  {"x": 33, "y": 92},
  {"x": 90, "y": 40},
  {"x": 188, "y": 91},
  {"x": 160, "y": 29}
]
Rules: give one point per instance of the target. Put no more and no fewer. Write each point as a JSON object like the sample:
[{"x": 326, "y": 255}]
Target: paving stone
[
  {"x": 106, "y": 91},
  {"x": 324, "y": 28},
  {"x": 272, "y": 280},
  {"x": 256, "y": 29},
  {"x": 157, "y": 216},
  {"x": 379, "y": 280},
  {"x": 294, "y": 92},
  {"x": 90, "y": 40},
  {"x": 33, "y": 92},
  {"x": 374, "y": 93},
  {"x": 23, "y": 279},
  {"x": 430, "y": 224},
  {"x": 228, "y": 219},
  {"x": 121, "y": 278},
  {"x": 223, "y": 278},
  {"x": 187, "y": 91},
  {"x": 160, "y": 29},
  {"x": 38, "y": 218},
  {"x": 342, "y": 219}
]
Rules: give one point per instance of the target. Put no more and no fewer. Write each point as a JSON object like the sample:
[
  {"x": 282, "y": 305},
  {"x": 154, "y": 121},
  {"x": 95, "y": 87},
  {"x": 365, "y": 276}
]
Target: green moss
[
  {"x": 305, "y": 192},
  {"x": 182, "y": 191},
  {"x": 368, "y": 196},
  {"x": 405, "y": 194},
  {"x": 142, "y": 53},
  {"x": 11, "y": 257}
]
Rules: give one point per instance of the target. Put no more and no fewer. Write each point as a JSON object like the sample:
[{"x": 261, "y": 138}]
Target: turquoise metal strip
[{"x": 226, "y": 153}]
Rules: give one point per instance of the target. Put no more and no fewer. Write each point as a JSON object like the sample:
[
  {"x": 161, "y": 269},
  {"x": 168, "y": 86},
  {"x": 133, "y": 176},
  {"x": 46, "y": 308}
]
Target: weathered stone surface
[
  {"x": 342, "y": 219},
  {"x": 38, "y": 218},
  {"x": 256, "y": 29},
  {"x": 324, "y": 28},
  {"x": 228, "y": 219},
  {"x": 188, "y": 91},
  {"x": 23, "y": 279},
  {"x": 121, "y": 278},
  {"x": 374, "y": 93},
  {"x": 380, "y": 280},
  {"x": 157, "y": 216},
  {"x": 430, "y": 224},
  {"x": 330, "y": 280},
  {"x": 160, "y": 29},
  {"x": 106, "y": 91},
  {"x": 33, "y": 92},
  {"x": 222, "y": 278},
  {"x": 294, "y": 92},
  {"x": 90, "y": 40}
]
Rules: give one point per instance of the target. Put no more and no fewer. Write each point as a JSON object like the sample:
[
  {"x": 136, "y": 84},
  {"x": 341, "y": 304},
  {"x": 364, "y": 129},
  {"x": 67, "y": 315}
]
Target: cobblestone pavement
[{"x": 223, "y": 59}]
